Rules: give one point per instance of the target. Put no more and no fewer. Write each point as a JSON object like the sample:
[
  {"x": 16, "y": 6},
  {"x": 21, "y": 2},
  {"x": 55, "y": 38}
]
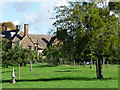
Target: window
[
  {"x": 35, "y": 49},
  {"x": 29, "y": 47}
]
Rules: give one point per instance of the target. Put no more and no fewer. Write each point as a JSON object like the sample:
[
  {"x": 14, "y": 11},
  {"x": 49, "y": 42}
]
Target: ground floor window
[
  {"x": 35, "y": 48},
  {"x": 29, "y": 47}
]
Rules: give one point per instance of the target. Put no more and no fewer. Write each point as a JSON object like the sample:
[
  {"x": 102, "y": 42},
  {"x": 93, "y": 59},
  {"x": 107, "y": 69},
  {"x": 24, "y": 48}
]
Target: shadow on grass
[
  {"x": 69, "y": 71},
  {"x": 7, "y": 71},
  {"x": 69, "y": 68},
  {"x": 43, "y": 66},
  {"x": 58, "y": 79}
]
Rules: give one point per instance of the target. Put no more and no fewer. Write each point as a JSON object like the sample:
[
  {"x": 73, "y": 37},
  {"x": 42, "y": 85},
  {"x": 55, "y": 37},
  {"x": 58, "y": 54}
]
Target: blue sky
[{"x": 36, "y": 14}]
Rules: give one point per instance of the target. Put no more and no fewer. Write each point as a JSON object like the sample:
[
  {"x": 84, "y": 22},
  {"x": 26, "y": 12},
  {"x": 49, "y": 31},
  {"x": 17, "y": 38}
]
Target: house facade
[{"x": 36, "y": 42}]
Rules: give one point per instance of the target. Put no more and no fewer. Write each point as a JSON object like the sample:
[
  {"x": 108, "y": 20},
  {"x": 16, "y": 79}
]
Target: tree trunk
[
  {"x": 64, "y": 62},
  {"x": 97, "y": 68},
  {"x": 18, "y": 71},
  {"x": 33, "y": 62},
  {"x": 7, "y": 64},
  {"x": 21, "y": 64},
  {"x": 84, "y": 64},
  {"x": 91, "y": 64},
  {"x": 107, "y": 64},
  {"x": 103, "y": 60},
  {"x": 57, "y": 62},
  {"x": 60, "y": 62},
  {"x": 74, "y": 62},
  {"x": 94, "y": 62},
  {"x": 30, "y": 65},
  {"x": 79, "y": 63},
  {"x": 106, "y": 59},
  {"x": 25, "y": 64},
  {"x": 100, "y": 73}
]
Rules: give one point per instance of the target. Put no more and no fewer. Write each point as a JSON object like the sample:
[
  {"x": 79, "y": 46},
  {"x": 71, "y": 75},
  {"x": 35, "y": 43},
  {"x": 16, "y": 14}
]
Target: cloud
[
  {"x": 38, "y": 0},
  {"x": 7, "y": 0},
  {"x": 4, "y": 21},
  {"x": 16, "y": 22},
  {"x": 31, "y": 17},
  {"x": 62, "y": 2},
  {"x": 42, "y": 16},
  {"x": 32, "y": 32},
  {"x": 39, "y": 20},
  {"x": 22, "y": 6}
]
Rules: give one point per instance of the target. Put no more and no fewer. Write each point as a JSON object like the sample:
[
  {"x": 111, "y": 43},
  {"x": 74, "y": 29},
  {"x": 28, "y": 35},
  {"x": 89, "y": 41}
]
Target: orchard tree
[
  {"x": 6, "y": 44},
  {"x": 6, "y": 54},
  {"x": 6, "y": 57},
  {"x": 18, "y": 55},
  {"x": 53, "y": 53},
  {"x": 33, "y": 56}
]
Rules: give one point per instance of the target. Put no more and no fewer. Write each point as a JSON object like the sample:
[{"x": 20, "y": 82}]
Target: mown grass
[{"x": 49, "y": 76}]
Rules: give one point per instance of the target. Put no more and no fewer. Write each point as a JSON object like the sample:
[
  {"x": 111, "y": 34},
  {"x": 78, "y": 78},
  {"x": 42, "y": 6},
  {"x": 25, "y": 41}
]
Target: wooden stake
[
  {"x": 30, "y": 65},
  {"x": 18, "y": 71}
]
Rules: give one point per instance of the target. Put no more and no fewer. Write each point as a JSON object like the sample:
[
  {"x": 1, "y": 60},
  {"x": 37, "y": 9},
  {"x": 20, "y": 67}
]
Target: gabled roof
[
  {"x": 42, "y": 40},
  {"x": 18, "y": 36}
]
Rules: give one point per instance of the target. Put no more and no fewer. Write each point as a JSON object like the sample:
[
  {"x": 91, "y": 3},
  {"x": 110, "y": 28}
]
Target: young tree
[
  {"x": 33, "y": 55},
  {"x": 53, "y": 53},
  {"x": 6, "y": 44}
]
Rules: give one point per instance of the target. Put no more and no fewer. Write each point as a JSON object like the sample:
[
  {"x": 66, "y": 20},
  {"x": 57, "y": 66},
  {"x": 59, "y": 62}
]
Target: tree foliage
[
  {"x": 53, "y": 54},
  {"x": 6, "y": 44},
  {"x": 18, "y": 55},
  {"x": 85, "y": 27},
  {"x": 7, "y": 24}
]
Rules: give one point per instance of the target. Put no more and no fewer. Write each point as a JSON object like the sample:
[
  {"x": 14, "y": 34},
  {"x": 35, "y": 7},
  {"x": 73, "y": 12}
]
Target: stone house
[{"x": 35, "y": 42}]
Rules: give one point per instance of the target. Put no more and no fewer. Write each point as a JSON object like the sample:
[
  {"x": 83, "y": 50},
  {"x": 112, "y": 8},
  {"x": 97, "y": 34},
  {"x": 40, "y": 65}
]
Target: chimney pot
[
  {"x": 17, "y": 26},
  {"x": 7, "y": 29},
  {"x": 25, "y": 29}
]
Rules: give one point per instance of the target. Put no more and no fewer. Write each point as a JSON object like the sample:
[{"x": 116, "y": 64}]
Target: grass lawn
[{"x": 48, "y": 76}]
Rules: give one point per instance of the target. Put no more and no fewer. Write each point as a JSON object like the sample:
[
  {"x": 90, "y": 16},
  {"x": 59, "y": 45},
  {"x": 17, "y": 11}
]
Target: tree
[
  {"x": 6, "y": 44},
  {"x": 32, "y": 57},
  {"x": 6, "y": 57},
  {"x": 18, "y": 55},
  {"x": 53, "y": 54},
  {"x": 7, "y": 24},
  {"x": 114, "y": 6},
  {"x": 87, "y": 26}
]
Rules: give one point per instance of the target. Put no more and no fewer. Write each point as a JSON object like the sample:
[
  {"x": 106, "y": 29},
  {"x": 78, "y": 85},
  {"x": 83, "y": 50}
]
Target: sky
[{"x": 37, "y": 14}]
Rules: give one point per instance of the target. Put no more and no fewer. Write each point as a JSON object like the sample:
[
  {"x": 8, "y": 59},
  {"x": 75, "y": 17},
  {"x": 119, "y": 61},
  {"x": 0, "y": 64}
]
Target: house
[{"x": 35, "y": 42}]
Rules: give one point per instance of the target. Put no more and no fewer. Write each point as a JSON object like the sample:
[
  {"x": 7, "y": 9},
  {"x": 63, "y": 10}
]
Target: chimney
[
  {"x": 17, "y": 26},
  {"x": 7, "y": 29},
  {"x": 25, "y": 29},
  {"x": 58, "y": 28}
]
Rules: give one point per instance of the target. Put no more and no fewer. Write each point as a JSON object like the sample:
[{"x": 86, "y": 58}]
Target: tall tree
[{"x": 87, "y": 26}]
